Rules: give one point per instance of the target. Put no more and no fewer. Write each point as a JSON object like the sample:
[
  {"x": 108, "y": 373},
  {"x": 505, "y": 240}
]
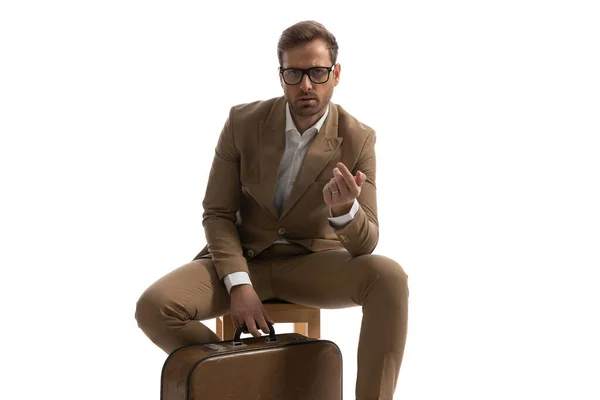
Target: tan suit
[
  {"x": 244, "y": 175},
  {"x": 322, "y": 267}
]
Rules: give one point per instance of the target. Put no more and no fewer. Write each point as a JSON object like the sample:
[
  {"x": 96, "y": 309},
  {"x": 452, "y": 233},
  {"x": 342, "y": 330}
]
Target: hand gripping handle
[{"x": 244, "y": 329}]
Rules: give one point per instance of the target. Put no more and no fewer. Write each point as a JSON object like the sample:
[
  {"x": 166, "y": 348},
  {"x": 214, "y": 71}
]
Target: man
[{"x": 290, "y": 212}]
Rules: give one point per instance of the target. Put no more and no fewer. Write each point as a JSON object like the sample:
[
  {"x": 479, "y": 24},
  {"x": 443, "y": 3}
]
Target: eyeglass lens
[{"x": 317, "y": 75}]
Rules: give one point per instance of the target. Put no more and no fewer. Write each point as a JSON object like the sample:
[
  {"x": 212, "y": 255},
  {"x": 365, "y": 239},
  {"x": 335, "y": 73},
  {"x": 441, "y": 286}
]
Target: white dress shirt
[{"x": 296, "y": 147}]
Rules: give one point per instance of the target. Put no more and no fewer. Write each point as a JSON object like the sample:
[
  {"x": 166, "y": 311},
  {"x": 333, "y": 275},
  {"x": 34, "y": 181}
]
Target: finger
[
  {"x": 262, "y": 323},
  {"x": 333, "y": 188},
  {"x": 235, "y": 323},
  {"x": 341, "y": 184},
  {"x": 251, "y": 325},
  {"x": 360, "y": 178},
  {"x": 346, "y": 174},
  {"x": 345, "y": 189}
]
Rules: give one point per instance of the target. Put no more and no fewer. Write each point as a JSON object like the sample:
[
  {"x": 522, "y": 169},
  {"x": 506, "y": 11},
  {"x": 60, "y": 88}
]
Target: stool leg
[
  {"x": 314, "y": 326},
  {"x": 219, "y": 324},
  {"x": 228, "y": 330},
  {"x": 301, "y": 328}
]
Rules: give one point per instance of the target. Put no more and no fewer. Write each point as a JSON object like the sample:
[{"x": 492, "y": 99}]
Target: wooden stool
[{"x": 307, "y": 320}]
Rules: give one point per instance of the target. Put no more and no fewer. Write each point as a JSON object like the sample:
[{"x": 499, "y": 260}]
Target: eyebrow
[{"x": 314, "y": 66}]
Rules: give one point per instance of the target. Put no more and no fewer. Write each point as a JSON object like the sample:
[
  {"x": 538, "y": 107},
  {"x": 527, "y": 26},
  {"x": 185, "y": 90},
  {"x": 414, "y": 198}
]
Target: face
[{"x": 308, "y": 99}]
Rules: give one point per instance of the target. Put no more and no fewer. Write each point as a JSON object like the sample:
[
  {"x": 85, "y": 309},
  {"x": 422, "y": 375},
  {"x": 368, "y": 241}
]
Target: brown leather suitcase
[{"x": 274, "y": 367}]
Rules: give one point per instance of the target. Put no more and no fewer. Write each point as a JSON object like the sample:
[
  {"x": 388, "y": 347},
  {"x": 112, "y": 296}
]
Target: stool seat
[
  {"x": 306, "y": 319},
  {"x": 276, "y": 301}
]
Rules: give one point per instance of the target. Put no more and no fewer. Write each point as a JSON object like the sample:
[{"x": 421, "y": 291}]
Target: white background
[{"x": 487, "y": 116}]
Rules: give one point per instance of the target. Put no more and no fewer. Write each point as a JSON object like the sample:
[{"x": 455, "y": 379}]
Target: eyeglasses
[{"x": 293, "y": 76}]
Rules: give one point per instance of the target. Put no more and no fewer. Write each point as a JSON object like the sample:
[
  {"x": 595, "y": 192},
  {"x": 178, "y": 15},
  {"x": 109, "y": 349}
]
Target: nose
[{"x": 306, "y": 83}]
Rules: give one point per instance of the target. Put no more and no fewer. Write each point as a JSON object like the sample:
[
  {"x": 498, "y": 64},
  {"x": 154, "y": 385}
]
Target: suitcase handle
[{"x": 244, "y": 329}]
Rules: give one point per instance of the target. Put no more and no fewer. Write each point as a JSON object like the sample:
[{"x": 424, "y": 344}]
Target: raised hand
[{"x": 344, "y": 187}]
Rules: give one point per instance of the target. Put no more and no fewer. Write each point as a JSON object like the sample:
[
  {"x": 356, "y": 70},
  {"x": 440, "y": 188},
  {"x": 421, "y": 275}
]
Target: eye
[
  {"x": 318, "y": 72},
  {"x": 292, "y": 73}
]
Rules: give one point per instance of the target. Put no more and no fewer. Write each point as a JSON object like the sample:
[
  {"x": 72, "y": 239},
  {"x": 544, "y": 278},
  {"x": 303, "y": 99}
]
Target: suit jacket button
[
  {"x": 250, "y": 253},
  {"x": 281, "y": 231}
]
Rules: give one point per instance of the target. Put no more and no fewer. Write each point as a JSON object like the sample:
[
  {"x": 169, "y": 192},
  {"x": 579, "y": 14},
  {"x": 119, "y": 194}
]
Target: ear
[
  {"x": 280, "y": 80},
  {"x": 336, "y": 74}
]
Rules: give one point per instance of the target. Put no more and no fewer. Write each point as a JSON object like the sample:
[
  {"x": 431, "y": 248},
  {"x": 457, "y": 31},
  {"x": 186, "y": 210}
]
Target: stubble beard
[{"x": 307, "y": 112}]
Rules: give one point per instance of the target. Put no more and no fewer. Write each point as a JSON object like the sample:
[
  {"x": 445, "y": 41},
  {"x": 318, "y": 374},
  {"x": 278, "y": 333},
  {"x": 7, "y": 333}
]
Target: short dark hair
[{"x": 302, "y": 33}]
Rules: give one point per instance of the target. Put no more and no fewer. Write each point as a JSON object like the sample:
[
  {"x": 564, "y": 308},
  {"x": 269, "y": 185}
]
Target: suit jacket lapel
[
  {"x": 322, "y": 148},
  {"x": 272, "y": 145}
]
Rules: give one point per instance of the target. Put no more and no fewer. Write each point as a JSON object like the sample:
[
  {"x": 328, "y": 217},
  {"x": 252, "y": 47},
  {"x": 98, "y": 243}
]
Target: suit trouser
[{"x": 168, "y": 310}]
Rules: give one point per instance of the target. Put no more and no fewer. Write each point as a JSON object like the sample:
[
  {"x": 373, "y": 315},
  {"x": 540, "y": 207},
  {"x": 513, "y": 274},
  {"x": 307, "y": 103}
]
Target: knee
[
  {"x": 146, "y": 309},
  {"x": 153, "y": 308},
  {"x": 387, "y": 273}
]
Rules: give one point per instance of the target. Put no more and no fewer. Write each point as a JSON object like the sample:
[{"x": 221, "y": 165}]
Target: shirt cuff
[
  {"x": 236, "y": 278},
  {"x": 342, "y": 220}
]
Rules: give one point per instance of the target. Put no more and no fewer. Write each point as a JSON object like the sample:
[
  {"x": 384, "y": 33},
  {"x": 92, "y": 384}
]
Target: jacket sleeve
[
  {"x": 221, "y": 204},
  {"x": 361, "y": 235}
]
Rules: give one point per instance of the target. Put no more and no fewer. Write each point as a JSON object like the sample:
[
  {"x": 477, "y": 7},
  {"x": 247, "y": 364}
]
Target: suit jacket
[{"x": 240, "y": 218}]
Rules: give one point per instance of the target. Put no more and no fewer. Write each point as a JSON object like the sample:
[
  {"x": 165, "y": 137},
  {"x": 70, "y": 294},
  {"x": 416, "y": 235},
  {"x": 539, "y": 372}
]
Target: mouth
[{"x": 306, "y": 99}]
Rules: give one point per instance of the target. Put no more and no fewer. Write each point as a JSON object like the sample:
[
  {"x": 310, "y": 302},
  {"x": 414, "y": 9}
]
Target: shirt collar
[{"x": 289, "y": 122}]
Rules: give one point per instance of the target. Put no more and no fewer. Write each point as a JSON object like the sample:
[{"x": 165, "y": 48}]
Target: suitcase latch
[{"x": 214, "y": 347}]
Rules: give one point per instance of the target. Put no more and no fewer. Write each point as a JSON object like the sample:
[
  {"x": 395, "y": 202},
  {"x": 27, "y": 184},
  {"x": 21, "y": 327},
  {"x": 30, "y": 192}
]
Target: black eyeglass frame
[{"x": 306, "y": 72}]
